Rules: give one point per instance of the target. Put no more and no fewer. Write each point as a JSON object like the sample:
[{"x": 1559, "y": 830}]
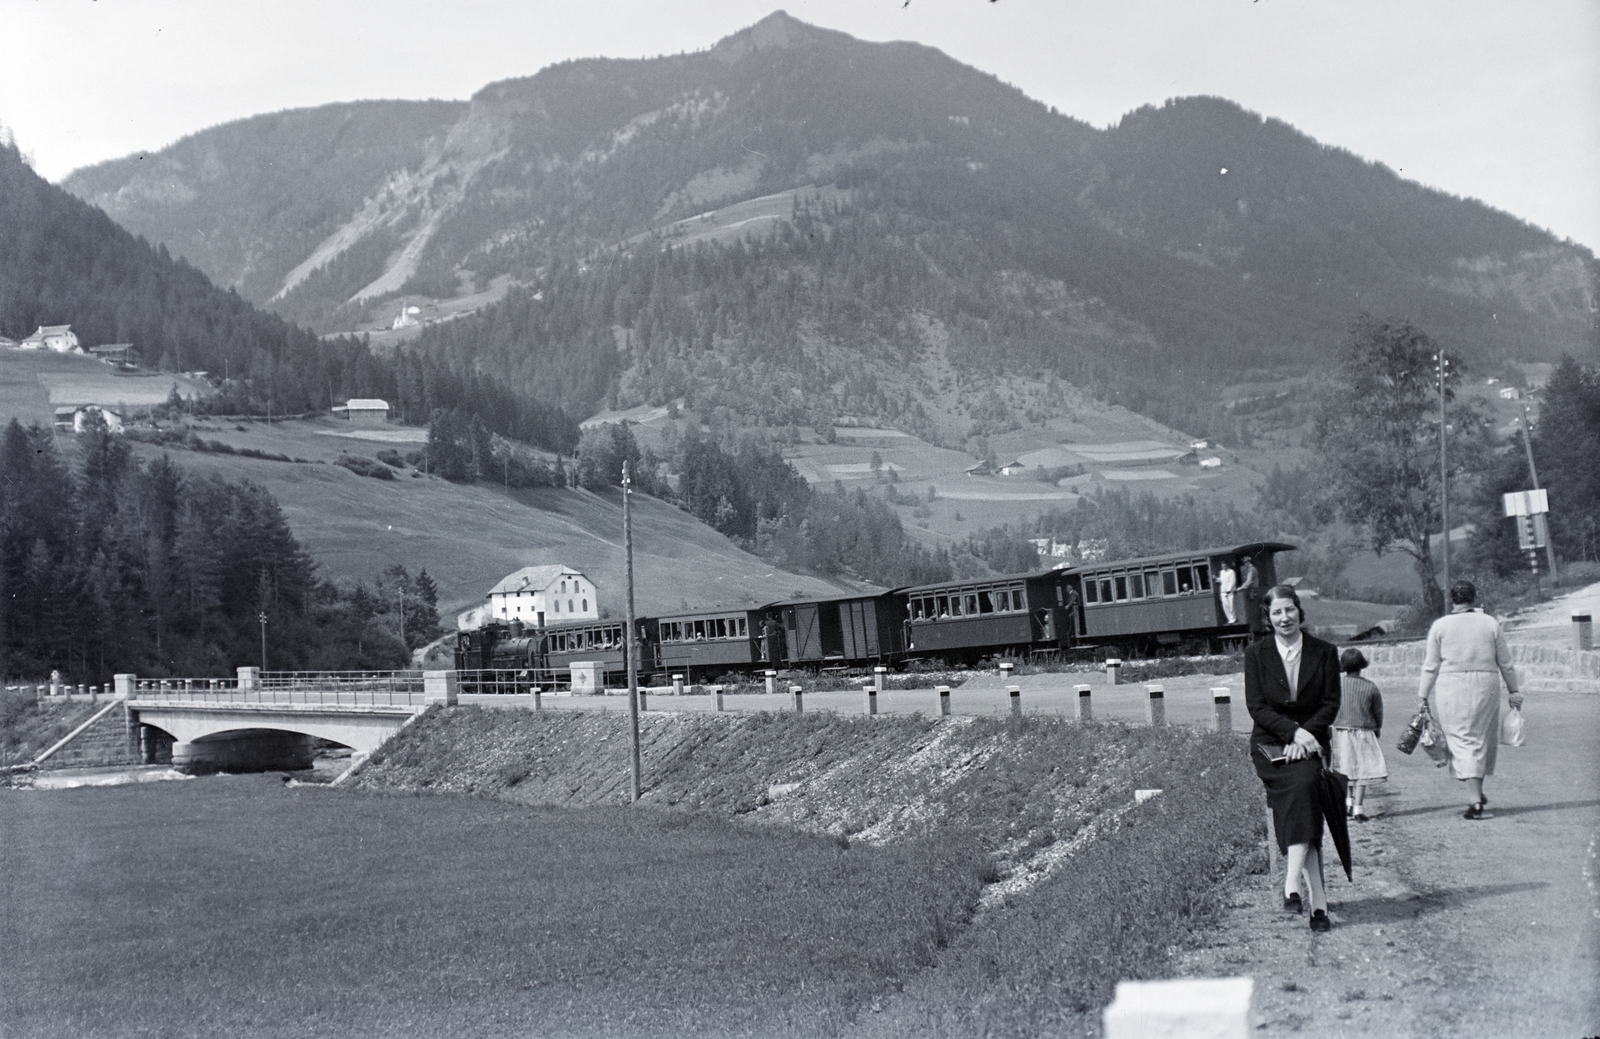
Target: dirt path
[{"x": 1451, "y": 928}]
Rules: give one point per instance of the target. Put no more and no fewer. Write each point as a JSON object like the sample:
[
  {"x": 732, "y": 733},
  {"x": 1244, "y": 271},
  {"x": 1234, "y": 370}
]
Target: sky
[{"x": 1490, "y": 99}]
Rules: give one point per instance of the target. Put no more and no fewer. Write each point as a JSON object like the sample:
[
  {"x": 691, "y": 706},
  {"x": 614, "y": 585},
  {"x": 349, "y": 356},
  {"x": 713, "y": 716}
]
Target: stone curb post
[
  {"x": 716, "y": 696},
  {"x": 1155, "y": 703},
  {"x": 677, "y": 685},
  {"x": 798, "y": 693},
  {"x": 944, "y": 700},
  {"x": 772, "y": 682},
  {"x": 874, "y": 690},
  {"x": 1114, "y": 670},
  {"x": 1222, "y": 707},
  {"x": 1085, "y": 708},
  {"x": 1582, "y": 632},
  {"x": 1216, "y": 1008},
  {"x": 1015, "y": 692}
]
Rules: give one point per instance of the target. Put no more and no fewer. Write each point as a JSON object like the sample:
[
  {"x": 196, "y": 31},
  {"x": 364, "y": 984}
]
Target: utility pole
[
  {"x": 633, "y": 632},
  {"x": 262, "y": 617},
  {"x": 1444, "y": 476},
  {"x": 1533, "y": 475}
]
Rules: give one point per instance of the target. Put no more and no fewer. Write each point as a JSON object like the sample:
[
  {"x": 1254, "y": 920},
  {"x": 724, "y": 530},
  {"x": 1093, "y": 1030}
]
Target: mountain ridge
[{"x": 1122, "y": 259}]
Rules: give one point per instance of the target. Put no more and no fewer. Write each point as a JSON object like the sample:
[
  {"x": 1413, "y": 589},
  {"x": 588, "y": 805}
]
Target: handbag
[
  {"x": 1414, "y": 730},
  {"x": 1511, "y": 733}
]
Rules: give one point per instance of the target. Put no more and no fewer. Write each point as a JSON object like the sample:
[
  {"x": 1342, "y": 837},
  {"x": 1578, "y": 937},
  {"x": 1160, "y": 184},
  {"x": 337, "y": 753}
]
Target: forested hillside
[
  {"x": 65, "y": 262},
  {"x": 795, "y": 224}
]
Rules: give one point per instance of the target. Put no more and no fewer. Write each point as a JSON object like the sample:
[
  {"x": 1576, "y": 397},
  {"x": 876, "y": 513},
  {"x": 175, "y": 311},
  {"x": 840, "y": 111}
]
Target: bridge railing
[
  {"x": 510, "y": 682},
  {"x": 374, "y": 688}
]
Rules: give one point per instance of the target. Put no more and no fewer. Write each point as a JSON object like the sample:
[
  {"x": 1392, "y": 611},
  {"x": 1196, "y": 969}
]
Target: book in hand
[{"x": 1273, "y": 752}]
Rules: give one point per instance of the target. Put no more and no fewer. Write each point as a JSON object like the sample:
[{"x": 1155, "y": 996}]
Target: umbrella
[{"x": 1331, "y": 790}]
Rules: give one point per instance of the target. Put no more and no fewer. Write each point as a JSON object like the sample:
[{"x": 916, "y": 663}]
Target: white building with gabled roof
[
  {"x": 540, "y": 595},
  {"x": 59, "y": 339}
]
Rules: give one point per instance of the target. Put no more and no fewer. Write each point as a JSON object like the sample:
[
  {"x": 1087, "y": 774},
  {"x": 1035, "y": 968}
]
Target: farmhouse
[
  {"x": 57, "y": 338},
  {"x": 368, "y": 411},
  {"x": 74, "y": 418},
  {"x": 538, "y": 595},
  {"x": 116, "y": 353}
]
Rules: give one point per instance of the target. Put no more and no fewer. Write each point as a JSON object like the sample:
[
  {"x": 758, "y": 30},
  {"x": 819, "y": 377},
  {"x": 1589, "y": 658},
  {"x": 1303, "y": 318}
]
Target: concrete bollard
[
  {"x": 1582, "y": 631},
  {"x": 1155, "y": 703},
  {"x": 126, "y": 686},
  {"x": 94, "y": 694},
  {"x": 1006, "y": 667},
  {"x": 1114, "y": 670},
  {"x": 798, "y": 693},
  {"x": 41, "y": 692},
  {"x": 1222, "y": 707},
  {"x": 83, "y": 690},
  {"x": 716, "y": 697},
  {"x": 875, "y": 689},
  {"x": 1015, "y": 692},
  {"x": 538, "y": 697},
  {"x": 644, "y": 698},
  {"x": 249, "y": 679},
  {"x": 944, "y": 700},
  {"x": 1216, "y": 1008},
  {"x": 441, "y": 687},
  {"x": 677, "y": 685},
  {"x": 1085, "y": 709},
  {"x": 772, "y": 682}
]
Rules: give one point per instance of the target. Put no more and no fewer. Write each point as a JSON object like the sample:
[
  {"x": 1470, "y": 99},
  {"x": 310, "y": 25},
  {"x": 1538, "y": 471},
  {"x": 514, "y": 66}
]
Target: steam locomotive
[{"x": 1129, "y": 606}]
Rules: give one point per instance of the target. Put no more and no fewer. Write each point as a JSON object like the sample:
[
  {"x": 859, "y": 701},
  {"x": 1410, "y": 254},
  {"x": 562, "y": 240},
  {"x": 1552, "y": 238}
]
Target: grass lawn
[{"x": 239, "y": 906}]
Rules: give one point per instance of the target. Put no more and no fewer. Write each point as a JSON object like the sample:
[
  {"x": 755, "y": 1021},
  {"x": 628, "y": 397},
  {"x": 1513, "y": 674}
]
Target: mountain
[{"x": 796, "y": 225}]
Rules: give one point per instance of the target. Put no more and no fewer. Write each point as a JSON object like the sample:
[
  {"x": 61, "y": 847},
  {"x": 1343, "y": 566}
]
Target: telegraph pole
[
  {"x": 633, "y": 632},
  {"x": 1533, "y": 476},
  {"x": 262, "y": 617},
  {"x": 1444, "y": 477}
]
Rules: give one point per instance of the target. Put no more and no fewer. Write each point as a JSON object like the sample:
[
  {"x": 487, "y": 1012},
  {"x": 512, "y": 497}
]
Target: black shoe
[
  {"x": 1474, "y": 811},
  {"x": 1292, "y": 903},
  {"x": 1320, "y": 921}
]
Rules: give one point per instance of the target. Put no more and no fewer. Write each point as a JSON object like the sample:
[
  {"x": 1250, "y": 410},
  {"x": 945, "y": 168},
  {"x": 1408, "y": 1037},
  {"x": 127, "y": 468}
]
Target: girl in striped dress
[{"x": 1356, "y": 751}]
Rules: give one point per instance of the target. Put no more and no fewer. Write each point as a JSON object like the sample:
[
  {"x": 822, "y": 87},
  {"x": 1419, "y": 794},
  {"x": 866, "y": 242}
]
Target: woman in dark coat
[{"x": 1291, "y": 687}]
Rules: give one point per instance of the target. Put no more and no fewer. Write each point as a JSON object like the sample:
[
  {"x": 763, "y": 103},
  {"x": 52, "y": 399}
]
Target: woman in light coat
[{"x": 1467, "y": 660}]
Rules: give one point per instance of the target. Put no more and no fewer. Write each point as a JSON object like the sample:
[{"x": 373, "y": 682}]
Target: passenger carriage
[
  {"x": 1170, "y": 599},
  {"x": 966, "y": 620},
  {"x": 707, "y": 643}
]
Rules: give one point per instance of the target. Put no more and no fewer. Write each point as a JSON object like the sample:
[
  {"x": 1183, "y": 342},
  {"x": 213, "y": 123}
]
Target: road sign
[
  {"x": 1532, "y": 532},
  {"x": 1525, "y": 503}
]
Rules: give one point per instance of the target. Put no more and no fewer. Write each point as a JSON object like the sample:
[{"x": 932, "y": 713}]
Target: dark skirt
[{"x": 1292, "y": 796}]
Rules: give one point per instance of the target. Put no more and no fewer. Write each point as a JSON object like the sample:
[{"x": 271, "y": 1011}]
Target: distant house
[
  {"x": 1211, "y": 463},
  {"x": 1199, "y": 445},
  {"x": 368, "y": 411},
  {"x": 540, "y": 595},
  {"x": 116, "y": 353},
  {"x": 74, "y": 418},
  {"x": 1510, "y": 393},
  {"x": 56, "y": 338},
  {"x": 1013, "y": 469}
]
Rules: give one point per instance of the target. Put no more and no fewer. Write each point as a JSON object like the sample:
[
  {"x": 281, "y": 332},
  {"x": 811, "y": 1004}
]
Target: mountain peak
[{"x": 776, "y": 31}]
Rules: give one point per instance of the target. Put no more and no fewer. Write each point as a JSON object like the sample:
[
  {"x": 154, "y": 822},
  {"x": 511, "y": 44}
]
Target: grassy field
[
  {"x": 851, "y": 900},
  {"x": 238, "y": 906}
]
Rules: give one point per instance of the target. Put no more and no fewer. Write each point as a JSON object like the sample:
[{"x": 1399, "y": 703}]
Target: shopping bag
[
  {"x": 1434, "y": 743},
  {"x": 1511, "y": 728},
  {"x": 1413, "y": 731}
]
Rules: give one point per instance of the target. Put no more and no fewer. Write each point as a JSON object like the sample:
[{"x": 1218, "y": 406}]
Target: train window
[
  {"x": 1136, "y": 586},
  {"x": 1152, "y": 583},
  {"x": 1122, "y": 588},
  {"x": 955, "y": 607},
  {"x": 972, "y": 604},
  {"x": 1091, "y": 591},
  {"x": 1105, "y": 589},
  {"x": 722, "y": 628},
  {"x": 1169, "y": 583},
  {"x": 1202, "y": 576},
  {"x": 1016, "y": 599},
  {"x": 700, "y": 631},
  {"x": 744, "y": 627},
  {"x": 914, "y": 609},
  {"x": 1185, "y": 580},
  {"x": 985, "y": 603},
  {"x": 944, "y": 606}
]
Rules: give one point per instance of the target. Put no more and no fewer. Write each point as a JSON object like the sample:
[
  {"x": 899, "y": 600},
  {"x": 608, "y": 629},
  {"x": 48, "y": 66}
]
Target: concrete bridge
[{"x": 265, "y": 721}]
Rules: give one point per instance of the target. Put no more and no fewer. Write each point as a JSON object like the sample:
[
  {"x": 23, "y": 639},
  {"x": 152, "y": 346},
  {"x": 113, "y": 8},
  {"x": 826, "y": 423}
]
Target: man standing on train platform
[
  {"x": 1249, "y": 588},
  {"x": 1227, "y": 582}
]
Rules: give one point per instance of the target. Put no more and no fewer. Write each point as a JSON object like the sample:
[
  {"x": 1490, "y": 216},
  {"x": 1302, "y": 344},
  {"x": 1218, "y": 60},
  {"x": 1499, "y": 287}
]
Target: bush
[{"x": 363, "y": 466}]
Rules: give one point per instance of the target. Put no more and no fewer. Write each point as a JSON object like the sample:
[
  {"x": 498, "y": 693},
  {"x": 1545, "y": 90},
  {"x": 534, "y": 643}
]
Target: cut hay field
[{"x": 33, "y": 383}]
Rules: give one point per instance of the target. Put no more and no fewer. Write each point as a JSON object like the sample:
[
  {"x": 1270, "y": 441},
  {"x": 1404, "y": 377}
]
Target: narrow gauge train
[{"x": 1130, "y": 606}]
